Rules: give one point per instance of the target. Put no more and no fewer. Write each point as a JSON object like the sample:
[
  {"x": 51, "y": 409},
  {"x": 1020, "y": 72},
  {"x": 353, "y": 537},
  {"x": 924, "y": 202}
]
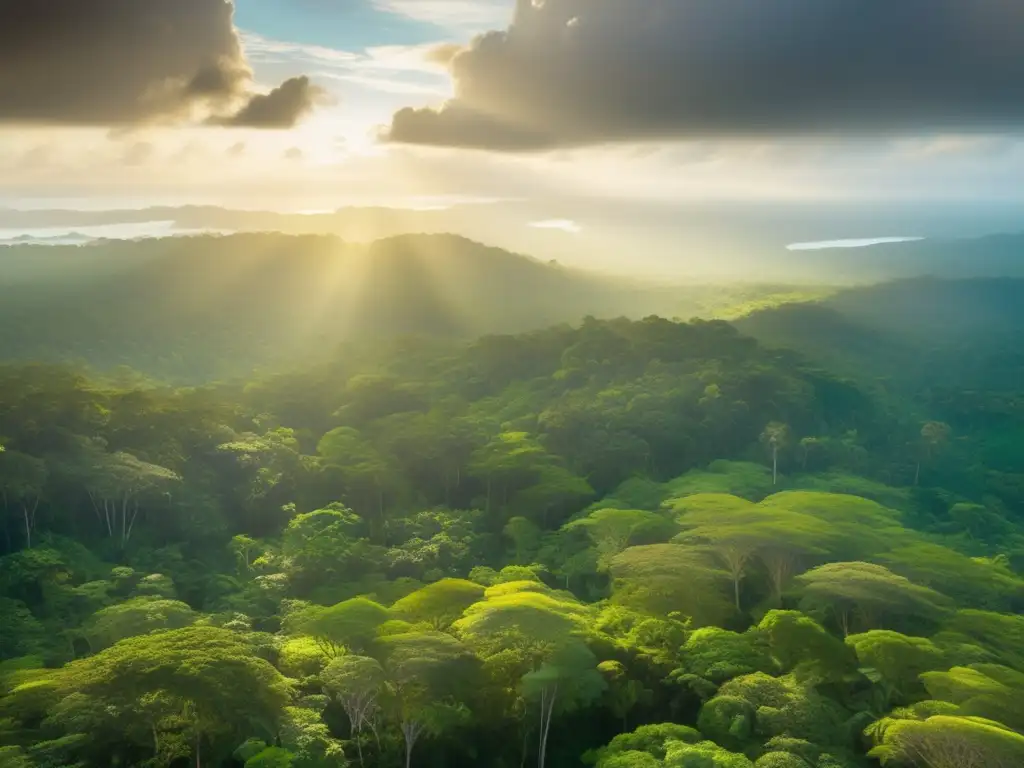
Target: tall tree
[
  {"x": 775, "y": 438},
  {"x": 429, "y": 676},
  {"x": 23, "y": 481},
  {"x": 357, "y": 683}
]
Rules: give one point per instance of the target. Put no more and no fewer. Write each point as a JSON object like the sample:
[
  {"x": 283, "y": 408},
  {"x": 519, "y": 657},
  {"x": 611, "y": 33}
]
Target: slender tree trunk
[
  {"x": 775, "y": 465},
  {"x": 376, "y": 733},
  {"x": 547, "y": 727},
  {"x": 199, "y": 745},
  {"x": 359, "y": 748},
  {"x": 736, "y": 589},
  {"x": 124, "y": 520},
  {"x": 411, "y": 732},
  {"x": 131, "y": 523},
  {"x": 917, "y": 474},
  {"x": 540, "y": 731},
  {"x": 28, "y": 527}
]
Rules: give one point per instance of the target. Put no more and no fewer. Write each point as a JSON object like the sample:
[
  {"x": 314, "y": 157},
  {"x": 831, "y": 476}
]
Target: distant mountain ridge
[
  {"x": 968, "y": 333},
  {"x": 231, "y": 303},
  {"x": 694, "y": 241},
  {"x": 193, "y": 308}
]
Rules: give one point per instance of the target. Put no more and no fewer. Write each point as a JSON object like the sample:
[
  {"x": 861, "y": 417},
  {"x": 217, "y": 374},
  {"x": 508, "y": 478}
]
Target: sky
[{"x": 577, "y": 107}]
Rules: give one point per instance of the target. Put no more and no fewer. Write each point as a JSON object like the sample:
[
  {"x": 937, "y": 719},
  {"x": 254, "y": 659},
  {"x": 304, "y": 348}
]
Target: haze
[{"x": 730, "y": 132}]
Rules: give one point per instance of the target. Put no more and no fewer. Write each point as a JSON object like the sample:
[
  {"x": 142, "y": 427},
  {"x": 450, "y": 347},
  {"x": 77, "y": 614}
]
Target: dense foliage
[{"x": 623, "y": 544}]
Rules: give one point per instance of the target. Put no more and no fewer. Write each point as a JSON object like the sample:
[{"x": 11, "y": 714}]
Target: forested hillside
[
  {"x": 620, "y": 544},
  {"x": 193, "y": 309}
]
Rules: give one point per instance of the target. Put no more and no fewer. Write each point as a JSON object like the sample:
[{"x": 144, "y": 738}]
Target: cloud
[
  {"x": 128, "y": 62},
  {"x": 563, "y": 225},
  {"x": 577, "y": 72},
  {"x": 283, "y": 107},
  {"x": 456, "y": 15}
]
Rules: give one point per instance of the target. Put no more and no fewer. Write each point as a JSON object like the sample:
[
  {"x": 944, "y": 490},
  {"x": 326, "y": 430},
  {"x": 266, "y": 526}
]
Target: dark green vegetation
[
  {"x": 193, "y": 309},
  {"x": 622, "y": 544}
]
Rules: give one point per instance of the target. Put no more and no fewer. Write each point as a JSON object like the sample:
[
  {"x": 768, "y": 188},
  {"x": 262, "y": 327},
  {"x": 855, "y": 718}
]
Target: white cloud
[
  {"x": 455, "y": 15},
  {"x": 563, "y": 225}
]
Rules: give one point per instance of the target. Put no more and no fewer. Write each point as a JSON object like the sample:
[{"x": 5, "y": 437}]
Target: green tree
[
  {"x": 532, "y": 639},
  {"x": 871, "y": 593},
  {"x": 946, "y": 742},
  {"x": 440, "y": 604},
  {"x": 365, "y": 474},
  {"x": 23, "y": 480},
  {"x": 567, "y": 678},
  {"x": 118, "y": 483},
  {"x": 895, "y": 661},
  {"x": 667, "y": 578},
  {"x": 221, "y": 686},
  {"x": 802, "y": 646},
  {"x": 775, "y": 438},
  {"x": 613, "y": 530},
  {"x": 137, "y": 616},
  {"x": 356, "y": 683},
  {"x": 429, "y": 674},
  {"x": 348, "y": 626}
]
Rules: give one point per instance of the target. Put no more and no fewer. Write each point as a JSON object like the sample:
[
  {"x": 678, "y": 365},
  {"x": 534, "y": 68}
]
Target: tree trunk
[
  {"x": 411, "y": 732},
  {"x": 199, "y": 744},
  {"x": 736, "y": 590},
  {"x": 546, "y": 724},
  {"x": 540, "y": 731},
  {"x": 28, "y": 527},
  {"x": 124, "y": 520},
  {"x": 775, "y": 465},
  {"x": 917, "y": 474}
]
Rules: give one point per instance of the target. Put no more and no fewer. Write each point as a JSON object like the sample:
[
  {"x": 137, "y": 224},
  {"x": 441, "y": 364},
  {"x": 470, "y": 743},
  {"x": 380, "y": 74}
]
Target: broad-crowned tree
[
  {"x": 137, "y": 616},
  {"x": 439, "y": 604},
  {"x": 868, "y": 595},
  {"x": 943, "y": 741},
  {"x": 348, "y": 626},
  {"x": 224, "y": 687},
  {"x": 667, "y": 578}
]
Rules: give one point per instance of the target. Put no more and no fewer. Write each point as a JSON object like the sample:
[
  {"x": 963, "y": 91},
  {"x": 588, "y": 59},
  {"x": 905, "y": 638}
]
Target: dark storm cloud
[
  {"x": 573, "y": 72},
  {"x": 124, "y": 62}
]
